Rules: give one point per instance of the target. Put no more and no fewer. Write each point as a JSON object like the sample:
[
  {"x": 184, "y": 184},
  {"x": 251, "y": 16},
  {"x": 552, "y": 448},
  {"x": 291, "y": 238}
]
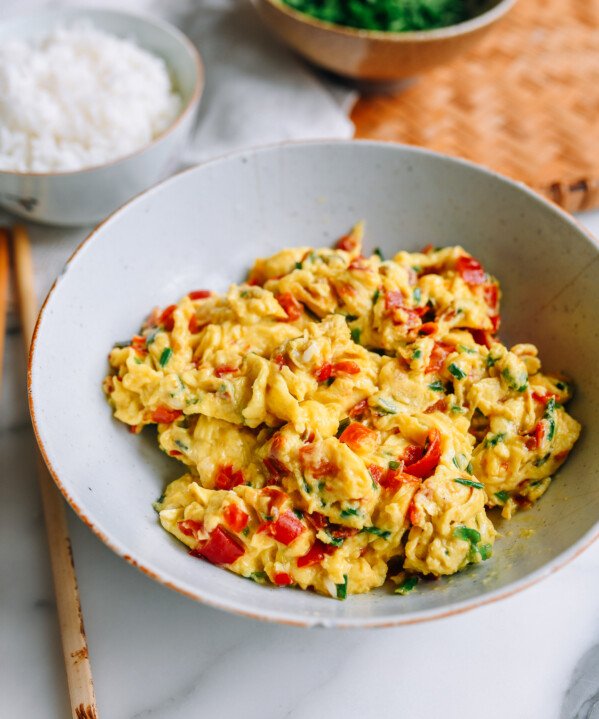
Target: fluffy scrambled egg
[{"x": 343, "y": 419}]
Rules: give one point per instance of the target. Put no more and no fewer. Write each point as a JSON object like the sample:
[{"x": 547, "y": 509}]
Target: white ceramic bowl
[
  {"x": 203, "y": 228},
  {"x": 87, "y": 196}
]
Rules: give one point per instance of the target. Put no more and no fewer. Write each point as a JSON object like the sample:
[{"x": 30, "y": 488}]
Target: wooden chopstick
[
  {"x": 3, "y": 292},
  {"x": 74, "y": 642}
]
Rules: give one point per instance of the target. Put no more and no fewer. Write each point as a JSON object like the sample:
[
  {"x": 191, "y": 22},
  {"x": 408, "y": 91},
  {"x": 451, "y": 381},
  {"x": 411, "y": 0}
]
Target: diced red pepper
[
  {"x": 394, "y": 478},
  {"x": 175, "y": 453},
  {"x": 544, "y": 398},
  {"x": 428, "y": 328},
  {"x": 224, "y": 369},
  {"x": 539, "y": 433},
  {"x": 376, "y": 472},
  {"x": 279, "y": 360},
  {"x": 495, "y": 321},
  {"x": 414, "y": 513},
  {"x": 282, "y": 579},
  {"x": 291, "y": 306},
  {"x": 491, "y": 295},
  {"x": 317, "y": 553},
  {"x": 471, "y": 270},
  {"x": 359, "y": 263},
  {"x": 412, "y": 453},
  {"x": 317, "y": 520},
  {"x": 199, "y": 294},
  {"x": 426, "y": 465},
  {"x": 167, "y": 319},
  {"x": 560, "y": 456},
  {"x": 235, "y": 518},
  {"x": 193, "y": 325},
  {"x": 358, "y": 409},
  {"x": 438, "y": 356},
  {"x": 190, "y": 527},
  {"x": 139, "y": 345},
  {"x": 133, "y": 429},
  {"x": 482, "y": 337},
  {"x": 439, "y": 406},
  {"x": 356, "y": 436},
  {"x": 324, "y": 468},
  {"x": 339, "y": 532},
  {"x": 349, "y": 243},
  {"x": 287, "y": 528},
  {"x": 276, "y": 498},
  {"x": 427, "y": 249},
  {"x": 165, "y": 415},
  {"x": 227, "y": 478},
  {"x": 275, "y": 468},
  {"x": 322, "y": 374},
  {"x": 345, "y": 367},
  {"x": 221, "y": 548}
]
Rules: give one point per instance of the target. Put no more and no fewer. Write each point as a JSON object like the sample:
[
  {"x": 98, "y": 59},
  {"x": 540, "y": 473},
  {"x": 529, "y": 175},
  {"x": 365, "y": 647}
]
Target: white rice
[{"x": 79, "y": 97}]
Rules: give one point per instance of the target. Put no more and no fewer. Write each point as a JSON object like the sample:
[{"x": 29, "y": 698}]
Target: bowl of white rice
[{"x": 95, "y": 107}]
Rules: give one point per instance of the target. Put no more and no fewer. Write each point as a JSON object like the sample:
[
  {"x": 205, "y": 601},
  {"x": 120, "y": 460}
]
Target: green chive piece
[
  {"x": 393, "y": 464},
  {"x": 259, "y": 577},
  {"x": 468, "y": 482},
  {"x": 355, "y": 335},
  {"x": 417, "y": 295},
  {"x": 298, "y": 513},
  {"x": 342, "y": 588},
  {"x": 467, "y": 534},
  {"x": 165, "y": 356},
  {"x": 456, "y": 371},
  {"x": 540, "y": 462},
  {"x": 379, "y": 254},
  {"x": 181, "y": 445},
  {"x": 386, "y": 406},
  {"x": 298, "y": 266},
  {"x": 375, "y": 296},
  {"x": 437, "y": 386},
  {"x": 502, "y": 496},
  {"x": 494, "y": 440},
  {"x": 417, "y": 354},
  {"x": 468, "y": 350},
  {"x": 383, "y": 533},
  {"x": 407, "y": 585},
  {"x": 485, "y": 551},
  {"x": 343, "y": 425},
  {"x": 350, "y": 512}
]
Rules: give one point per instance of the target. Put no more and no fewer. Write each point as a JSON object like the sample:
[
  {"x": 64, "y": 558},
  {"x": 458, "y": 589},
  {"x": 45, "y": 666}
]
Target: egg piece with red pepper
[{"x": 340, "y": 417}]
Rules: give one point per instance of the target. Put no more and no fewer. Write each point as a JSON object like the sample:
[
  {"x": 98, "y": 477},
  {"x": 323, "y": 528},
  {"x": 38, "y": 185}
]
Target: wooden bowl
[{"x": 376, "y": 55}]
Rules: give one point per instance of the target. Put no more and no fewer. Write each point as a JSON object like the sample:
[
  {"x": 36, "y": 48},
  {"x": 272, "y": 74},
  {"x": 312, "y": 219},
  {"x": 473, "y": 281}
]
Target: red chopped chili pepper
[
  {"x": 359, "y": 263},
  {"x": 317, "y": 520},
  {"x": 412, "y": 453},
  {"x": 439, "y": 406},
  {"x": 276, "y": 498},
  {"x": 428, "y": 328},
  {"x": 193, "y": 325},
  {"x": 394, "y": 299},
  {"x": 224, "y": 369},
  {"x": 482, "y": 337},
  {"x": 175, "y": 453},
  {"x": 539, "y": 433},
  {"x": 282, "y": 579},
  {"x": 358, "y": 409},
  {"x": 221, "y": 548},
  {"x": 165, "y": 415},
  {"x": 322, "y": 374},
  {"x": 376, "y": 472},
  {"x": 227, "y": 478},
  {"x": 139, "y": 345},
  {"x": 235, "y": 518},
  {"x": 349, "y": 243},
  {"x": 560, "y": 456},
  {"x": 190, "y": 527},
  {"x": 426, "y": 465},
  {"x": 317, "y": 553},
  {"x": 438, "y": 356},
  {"x": 471, "y": 270},
  {"x": 356, "y": 436},
  {"x": 199, "y": 294},
  {"x": 414, "y": 513},
  {"x": 495, "y": 322},
  {"x": 286, "y": 528},
  {"x": 345, "y": 367},
  {"x": 275, "y": 468},
  {"x": 544, "y": 398},
  {"x": 133, "y": 429},
  {"x": 339, "y": 532},
  {"x": 167, "y": 319},
  {"x": 291, "y": 306},
  {"x": 279, "y": 360},
  {"x": 394, "y": 478},
  {"x": 491, "y": 295}
]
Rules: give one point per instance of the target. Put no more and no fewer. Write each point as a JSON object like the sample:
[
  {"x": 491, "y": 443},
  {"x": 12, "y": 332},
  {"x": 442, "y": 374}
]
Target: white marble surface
[{"x": 156, "y": 654}]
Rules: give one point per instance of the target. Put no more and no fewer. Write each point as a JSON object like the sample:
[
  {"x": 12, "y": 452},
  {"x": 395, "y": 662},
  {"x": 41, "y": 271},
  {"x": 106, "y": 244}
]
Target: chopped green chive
[
  {"x": 165, "y": 356},
  {"x": 561, "y": 385},
  {"x": 491, "y": 361},
  {"x": 407, "y": 585},
  {"x": 330, "y": 381},
  {"x": 518, "y": 384},
  {"x": 379, "y": 254},
  {"x": 350, "y": 512},
  {"x": 394, "y": 464},
  {"x": 540, "y": 462},
  {"x": 437, "y": 386},
  {"x": 259, "y": 577},
  {"x": 342, "y": 588},
  {"x": 456, "y": 371},
  {"x": 468, "y": 482},
  {"x": 468, "y": 350},
  {"x": 181, "y": 445},
  {"x": 355, "y": 335},
  {"x": 494, "y": 440},
  {"x": 417, "y": 295},
  {"x": 298, "y": 266},
  {"x": 457, "y": 410},
  {"x": 549, "y": 416},
  {"x": 386, "y": 406},
  {"x": 485, "y": 551},
  {"x": 502, "y": 496},
  {"x": 417, "y": 354},
  {"x": 467, "y": 534},
  {"x": 375, "y": 296},
  {"x": 343, "y": 425},
  {"x": 298, "y": 513},
  {"x": 383, "y": 533},
  {"x": 245, "y": 531}
]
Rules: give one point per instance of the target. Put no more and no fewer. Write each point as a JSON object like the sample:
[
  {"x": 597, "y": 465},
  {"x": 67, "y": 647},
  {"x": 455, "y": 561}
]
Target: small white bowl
[
  {"x": 88, "y": 195},
  {"x": 203, "y": 228}
]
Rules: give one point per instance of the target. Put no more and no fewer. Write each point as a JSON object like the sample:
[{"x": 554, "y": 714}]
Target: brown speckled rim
[
  {"x": 413, "y": 36},
  {"x": 282, "y": 617},
  {"x": 190, "y": 106}
]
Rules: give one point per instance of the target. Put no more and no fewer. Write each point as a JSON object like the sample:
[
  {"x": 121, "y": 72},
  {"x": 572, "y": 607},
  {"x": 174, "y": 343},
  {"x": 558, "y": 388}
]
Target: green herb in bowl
[{"x": 390, "y": 15}]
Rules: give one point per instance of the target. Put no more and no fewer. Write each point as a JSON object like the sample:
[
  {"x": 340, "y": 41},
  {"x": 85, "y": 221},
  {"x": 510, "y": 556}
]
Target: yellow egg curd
[{"x": 343, "y": 419}]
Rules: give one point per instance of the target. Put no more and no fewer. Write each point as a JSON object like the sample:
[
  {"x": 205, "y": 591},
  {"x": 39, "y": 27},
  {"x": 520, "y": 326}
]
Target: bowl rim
[
  {"x": 291, "y": 618},
  {"x": 460, "y": 29},
  {"x": 141, "y": 19}
]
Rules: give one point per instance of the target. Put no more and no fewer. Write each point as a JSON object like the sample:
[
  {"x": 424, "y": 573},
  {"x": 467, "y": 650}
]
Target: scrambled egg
[{"x": 344, "y": 419}]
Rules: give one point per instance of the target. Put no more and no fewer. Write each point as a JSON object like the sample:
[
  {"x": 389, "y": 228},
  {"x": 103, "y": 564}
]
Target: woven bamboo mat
[{"x": 524, "y": 102}]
